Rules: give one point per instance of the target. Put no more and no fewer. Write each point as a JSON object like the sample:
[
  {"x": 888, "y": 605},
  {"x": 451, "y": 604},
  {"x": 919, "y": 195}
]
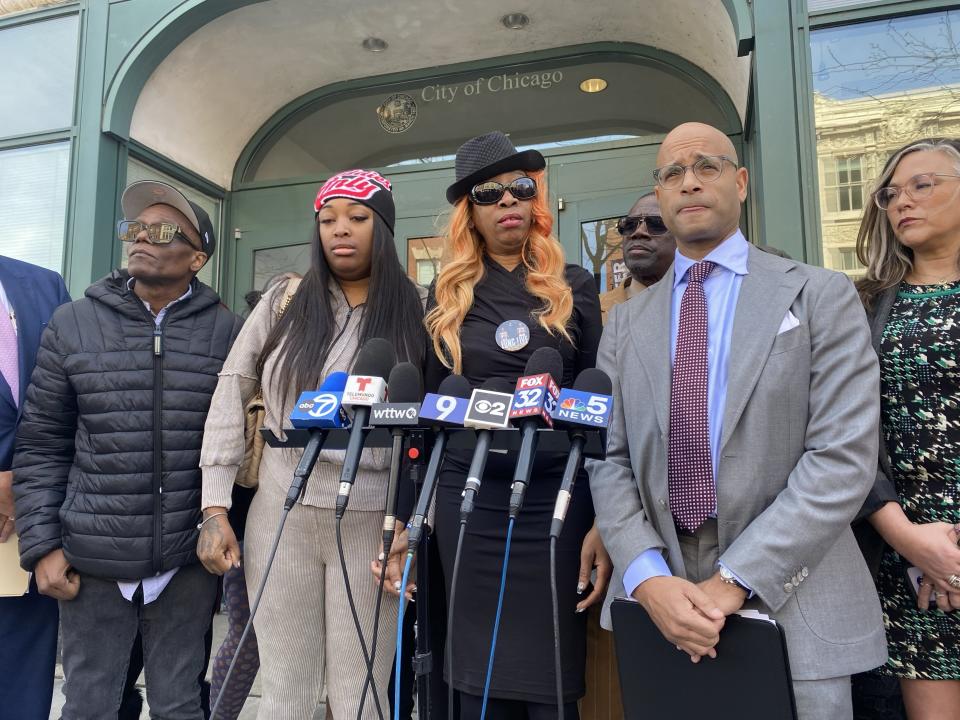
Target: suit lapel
[
  {"x": 650, "y": 332},
  {"x": 766, "y": 295}
]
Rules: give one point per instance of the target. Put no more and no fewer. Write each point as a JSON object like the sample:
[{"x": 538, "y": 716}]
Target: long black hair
[{"x": 307, "y": 329}]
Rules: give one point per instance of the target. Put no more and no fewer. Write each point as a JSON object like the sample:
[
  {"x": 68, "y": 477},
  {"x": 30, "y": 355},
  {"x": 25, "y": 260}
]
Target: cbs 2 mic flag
[{"x": 488, "y": 410}]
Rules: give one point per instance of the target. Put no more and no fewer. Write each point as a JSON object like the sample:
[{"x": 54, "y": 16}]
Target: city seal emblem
[{"x": 397, "y": 113}]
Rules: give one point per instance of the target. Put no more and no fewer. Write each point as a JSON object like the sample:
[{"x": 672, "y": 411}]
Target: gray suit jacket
[{"x": 798, "y": 456}]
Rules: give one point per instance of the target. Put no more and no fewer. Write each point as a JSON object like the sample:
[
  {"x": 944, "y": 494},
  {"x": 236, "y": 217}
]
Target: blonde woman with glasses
[{"x": 909, "y": 240}]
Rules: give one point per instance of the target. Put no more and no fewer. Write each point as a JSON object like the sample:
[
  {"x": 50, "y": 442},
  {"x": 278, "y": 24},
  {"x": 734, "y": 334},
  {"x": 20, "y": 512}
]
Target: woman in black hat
[{"x": 504, "y": 293}]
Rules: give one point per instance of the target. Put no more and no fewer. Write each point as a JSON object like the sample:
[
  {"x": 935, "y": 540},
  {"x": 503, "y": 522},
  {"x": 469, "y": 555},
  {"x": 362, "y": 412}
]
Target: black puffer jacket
[{"x": 107, "y": 457}]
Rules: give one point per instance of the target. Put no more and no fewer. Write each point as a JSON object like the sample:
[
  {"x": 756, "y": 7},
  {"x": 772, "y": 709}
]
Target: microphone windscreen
[
  {"x": 405, "y": 384},
  {"x": 376, "y": 358},
  {"x": 545, "y": 360},
  {"x": 455, "y": 386},
  {"x": 498, "y": 384},
  {"x": 593, "y": 380},
  {"x": 335, "y": 382}
]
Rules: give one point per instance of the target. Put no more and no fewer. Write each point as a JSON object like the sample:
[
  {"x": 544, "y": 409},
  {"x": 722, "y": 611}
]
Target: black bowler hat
[{"x": 483, "y": 157}]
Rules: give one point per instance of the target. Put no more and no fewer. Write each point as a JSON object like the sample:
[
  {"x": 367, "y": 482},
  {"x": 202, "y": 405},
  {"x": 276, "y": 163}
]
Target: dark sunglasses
[
  {"x": 490, "y": 192},
  {"x": 628, "y": 225},
  {"x": 161, "y": 233}
]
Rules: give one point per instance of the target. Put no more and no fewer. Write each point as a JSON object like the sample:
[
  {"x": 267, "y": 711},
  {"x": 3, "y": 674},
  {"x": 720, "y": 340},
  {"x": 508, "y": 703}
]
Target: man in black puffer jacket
[{"x": 106, "y": 469}]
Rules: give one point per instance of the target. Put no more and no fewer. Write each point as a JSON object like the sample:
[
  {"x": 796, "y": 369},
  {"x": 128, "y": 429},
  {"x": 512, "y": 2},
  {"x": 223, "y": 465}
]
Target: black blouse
[{"x": 502, "y": 295}]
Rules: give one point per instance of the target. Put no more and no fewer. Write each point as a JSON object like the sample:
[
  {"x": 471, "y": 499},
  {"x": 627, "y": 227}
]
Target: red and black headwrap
[{"x": 362, "y": 186}]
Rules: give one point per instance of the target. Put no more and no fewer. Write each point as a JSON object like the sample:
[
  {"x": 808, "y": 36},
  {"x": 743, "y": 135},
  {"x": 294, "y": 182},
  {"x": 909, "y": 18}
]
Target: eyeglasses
[
  {"x": 919, "y": 186},
  {"x": 707, "y": 169},
  {"x": 628, "y": 225},
  {"x": 490, "y": 192},
  {"x": 161, "y": 233}
]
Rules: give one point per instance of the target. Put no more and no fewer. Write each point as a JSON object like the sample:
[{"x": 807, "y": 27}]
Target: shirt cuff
[
  {"x": 736, "y": 577},
  {"x": 648, "y": 564}
]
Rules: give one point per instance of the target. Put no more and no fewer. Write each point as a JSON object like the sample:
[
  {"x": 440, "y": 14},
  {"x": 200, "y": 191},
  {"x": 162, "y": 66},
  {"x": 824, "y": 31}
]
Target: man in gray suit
[{"x": 744, "y": 438}]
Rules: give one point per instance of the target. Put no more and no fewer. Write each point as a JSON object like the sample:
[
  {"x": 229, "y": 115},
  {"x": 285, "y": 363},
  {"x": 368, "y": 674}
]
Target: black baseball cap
[{"x": 140, "y": 195}]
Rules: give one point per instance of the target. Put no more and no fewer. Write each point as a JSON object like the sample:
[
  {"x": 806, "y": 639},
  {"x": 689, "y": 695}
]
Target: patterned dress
[{"x": 920, "y": 389}]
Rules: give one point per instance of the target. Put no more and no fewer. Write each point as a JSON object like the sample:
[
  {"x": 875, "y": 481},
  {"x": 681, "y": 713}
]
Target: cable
[
  {"x": 376, "y": 622},
  {"x": 388, "y": 535},
  {"x": 453, "y": 603},
  {"x": 496, "y": 622},
  {"x": 557, "y": 667},
  {"x": 397, "y": 684},
  {"x": 253, "y": 609},
  {"x": 356, "y": 619}
]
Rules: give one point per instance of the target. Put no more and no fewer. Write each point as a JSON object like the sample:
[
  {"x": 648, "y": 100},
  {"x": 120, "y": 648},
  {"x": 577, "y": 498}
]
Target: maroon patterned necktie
[{"x": 693, "y": 496}]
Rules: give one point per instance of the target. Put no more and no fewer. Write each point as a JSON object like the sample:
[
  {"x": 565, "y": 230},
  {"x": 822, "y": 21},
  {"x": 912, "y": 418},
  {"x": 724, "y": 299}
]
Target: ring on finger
[{"x": 954, "y": 581}]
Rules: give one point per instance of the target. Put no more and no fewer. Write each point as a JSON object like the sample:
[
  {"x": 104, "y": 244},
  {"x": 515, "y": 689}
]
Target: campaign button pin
[{"x": 513, "y": 335}]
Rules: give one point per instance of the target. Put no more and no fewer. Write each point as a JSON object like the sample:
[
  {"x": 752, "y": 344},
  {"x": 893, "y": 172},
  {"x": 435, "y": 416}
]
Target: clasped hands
[{"x": 690, "y": 615}]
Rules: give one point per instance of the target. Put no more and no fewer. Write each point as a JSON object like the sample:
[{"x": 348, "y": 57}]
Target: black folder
[{"x": 750, "y": 677}]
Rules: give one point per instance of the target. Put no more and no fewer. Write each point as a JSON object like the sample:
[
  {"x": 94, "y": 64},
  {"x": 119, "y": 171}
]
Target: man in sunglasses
[
  {"x": 647, "y": 248},
  {"x": 743, "y": 439},
  {"x": 106, "y": 468}
]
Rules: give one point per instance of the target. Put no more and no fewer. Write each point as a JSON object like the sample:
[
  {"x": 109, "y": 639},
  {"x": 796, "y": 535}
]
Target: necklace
[{"x": 917, "y": 279}]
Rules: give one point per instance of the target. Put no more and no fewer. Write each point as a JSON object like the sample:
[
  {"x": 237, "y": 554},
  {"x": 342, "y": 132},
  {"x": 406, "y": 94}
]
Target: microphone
[
  {"x": 364, "y": 388},
  {"x": 489, "y": 410},
  {"x": 586, "y": 407},
  {"x": 316, "y": 411},
  {"x": 533, "y": 404},
  {"x": 404, "y": 389},
  {"x": 446, "y": 408}
]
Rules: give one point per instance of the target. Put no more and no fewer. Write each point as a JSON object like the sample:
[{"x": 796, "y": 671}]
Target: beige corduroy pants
[{"x": 304, "y": 628}]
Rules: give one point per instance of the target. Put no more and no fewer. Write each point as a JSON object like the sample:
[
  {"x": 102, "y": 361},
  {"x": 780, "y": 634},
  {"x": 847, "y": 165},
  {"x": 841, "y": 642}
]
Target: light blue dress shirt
[{"x": 722, "y": 289}]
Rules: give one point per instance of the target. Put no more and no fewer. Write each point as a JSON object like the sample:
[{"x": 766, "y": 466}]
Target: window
[
  {"x": 843, "y": 184},
  {"x": 272, "y": 261},
  {"x": 424, "y": 256},
  {"x": 828, "y": 5},
  {"x": 137, "y": 170},
  {"x": 877, "y": 86},
  {"x": 847, "y": 260},
  {"x": 600, "y": 253},
  {"x": 38, "y": 67},
  {"x": 33, "y": 203}
]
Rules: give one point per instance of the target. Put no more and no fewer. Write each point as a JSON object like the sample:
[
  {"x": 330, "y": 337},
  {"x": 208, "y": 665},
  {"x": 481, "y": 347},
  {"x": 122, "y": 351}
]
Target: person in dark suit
[{"x": 28, "y": 625}]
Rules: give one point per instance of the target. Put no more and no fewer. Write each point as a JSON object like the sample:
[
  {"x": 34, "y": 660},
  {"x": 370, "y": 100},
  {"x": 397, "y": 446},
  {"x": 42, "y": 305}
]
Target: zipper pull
[{"x": 157, "y": 341}]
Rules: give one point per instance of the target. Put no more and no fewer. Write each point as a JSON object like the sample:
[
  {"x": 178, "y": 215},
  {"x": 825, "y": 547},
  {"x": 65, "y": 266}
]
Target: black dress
[
  {"x": 919, "y": 385},
  {"x": 523, "y": 669}
]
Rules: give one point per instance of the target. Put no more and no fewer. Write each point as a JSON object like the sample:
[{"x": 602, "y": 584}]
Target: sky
[{"x": 887, "y": 56}]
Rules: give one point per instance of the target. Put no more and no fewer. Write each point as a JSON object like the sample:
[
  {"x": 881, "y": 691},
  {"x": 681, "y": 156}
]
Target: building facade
[{"x": 248, "y": 105}]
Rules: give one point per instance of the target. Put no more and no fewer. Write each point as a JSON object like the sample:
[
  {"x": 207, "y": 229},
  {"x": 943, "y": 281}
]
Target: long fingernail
[
  {"x": 396, "y": 586},
  {"x": 380, "y": 557},
  {"x": 580, "y": 588},
  {"x": 580, "y": 610}
]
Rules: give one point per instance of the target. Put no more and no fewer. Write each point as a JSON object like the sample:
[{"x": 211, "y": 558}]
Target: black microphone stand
[{"x": 423, "y": 656}]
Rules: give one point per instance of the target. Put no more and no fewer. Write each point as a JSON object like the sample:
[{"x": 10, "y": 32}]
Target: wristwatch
[{"x": 728, "y": 577}]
